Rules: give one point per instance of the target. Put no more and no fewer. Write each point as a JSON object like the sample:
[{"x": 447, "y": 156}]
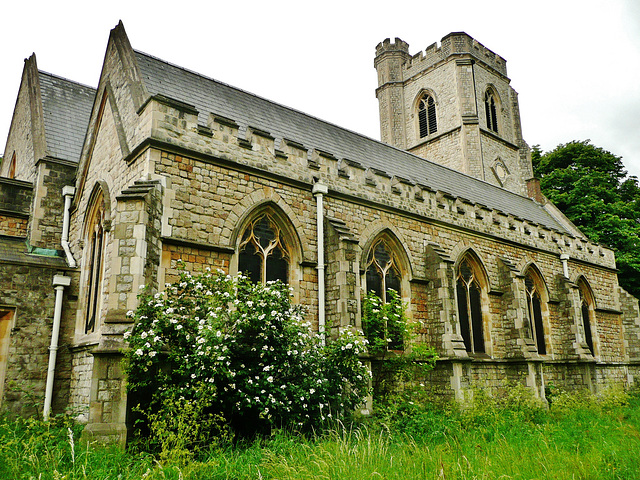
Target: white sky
[{"x": 574, "y": 63}]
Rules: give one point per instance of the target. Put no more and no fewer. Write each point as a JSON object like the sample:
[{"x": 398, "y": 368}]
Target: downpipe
[
  {"x": 68, "y": 192},
  {"x": 319, "y": 191}
]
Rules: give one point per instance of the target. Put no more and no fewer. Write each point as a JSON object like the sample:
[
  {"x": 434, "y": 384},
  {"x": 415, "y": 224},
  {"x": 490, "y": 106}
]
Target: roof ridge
[
  {"x": 59, "y": 77},
  {"x": 379, "y": 142}
]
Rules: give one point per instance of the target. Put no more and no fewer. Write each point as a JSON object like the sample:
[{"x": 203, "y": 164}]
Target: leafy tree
[
  {"x": 591, "y": 187},
  {"x": 241, "y": 356}
]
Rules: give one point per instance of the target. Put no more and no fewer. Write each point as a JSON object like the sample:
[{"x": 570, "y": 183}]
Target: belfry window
[
  {"x": 264, "y": 255},
  {"x": 427, "y": 116},
  {"x": 491, "y": 111},
  {"x": 586, "y": 309},
  {"x": 94, "y": 263},
  {"x": 534, "y": 314},
  {"x": 469, "y": 293}
]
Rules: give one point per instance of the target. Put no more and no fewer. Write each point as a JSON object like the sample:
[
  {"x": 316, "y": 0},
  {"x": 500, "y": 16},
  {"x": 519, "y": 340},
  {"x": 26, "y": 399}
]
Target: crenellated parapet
[
  {"x": 457, "y": 43},
  {"x": 228, "y": 140}
]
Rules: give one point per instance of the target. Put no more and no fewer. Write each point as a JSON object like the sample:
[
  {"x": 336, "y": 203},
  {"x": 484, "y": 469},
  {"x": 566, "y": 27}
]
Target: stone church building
[{"x": 104, "y": 190}]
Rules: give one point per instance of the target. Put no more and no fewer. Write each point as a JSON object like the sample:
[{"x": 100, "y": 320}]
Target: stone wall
[
  {"x": 29, "y": 291},
  {"x": 45, "y": 225}
]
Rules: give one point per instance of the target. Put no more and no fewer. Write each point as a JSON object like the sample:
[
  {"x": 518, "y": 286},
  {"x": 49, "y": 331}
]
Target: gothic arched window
[
  {"x": 264, "y": 254},
  {"x": 382, "y": 272},
  {"x": 12, "y": 167},
  {"x": 94, "y": 243},
  {"x": 534, "y": 312},
  {"x": 587, "y": 311},
  {"x": 383, "y": 278},
  {"x": 491, "y": 111},
  {"x": 469, "y": 292},
  {"x": 427, "y": 116}
]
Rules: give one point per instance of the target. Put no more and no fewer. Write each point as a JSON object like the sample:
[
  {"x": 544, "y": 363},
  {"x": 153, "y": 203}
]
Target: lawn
[{"x": 579, "y": 437}]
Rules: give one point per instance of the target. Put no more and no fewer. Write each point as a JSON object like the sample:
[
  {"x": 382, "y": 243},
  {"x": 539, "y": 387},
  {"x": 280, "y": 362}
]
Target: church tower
[{"x": 453, "y": 104}]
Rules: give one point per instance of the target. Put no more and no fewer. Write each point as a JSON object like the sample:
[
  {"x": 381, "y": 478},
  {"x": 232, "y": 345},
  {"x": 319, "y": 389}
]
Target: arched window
[
  {"x": 427, "y": 116},
  {"x": 469, "y": 292},
  {"x": 587, "y": 313},
  {"x": 383, "y": 278},
  {"x": 94, "y": 243},
  {"x": 264, "y": 254},
  {"x": 491, "y": 111},
  {"x": 533, "y": 290},
  {"x": 12, "y": 167},
  {"x": 382, "y": 272}
]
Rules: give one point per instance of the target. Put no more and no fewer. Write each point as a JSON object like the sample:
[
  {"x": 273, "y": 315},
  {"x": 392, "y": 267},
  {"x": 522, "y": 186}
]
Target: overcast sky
[{"x": 575, "y": 64}]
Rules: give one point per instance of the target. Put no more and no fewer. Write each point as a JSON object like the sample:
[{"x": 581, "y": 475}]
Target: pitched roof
[
  {"x": 66, "y": 107},
  {"x": 210, "y": 96}
]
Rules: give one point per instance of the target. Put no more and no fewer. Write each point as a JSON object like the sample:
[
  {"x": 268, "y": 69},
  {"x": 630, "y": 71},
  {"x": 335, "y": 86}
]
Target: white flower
[
  {"x": 270, "y": 379},
  {"x": 152, "y": 354},
  {"x": 139, "y": 352},
  {"x": 126, "y": 335},
  {"x": 130, "y": 313},
  {"x": 178, "y": 327},
  {"x": 143, "y": 335}
]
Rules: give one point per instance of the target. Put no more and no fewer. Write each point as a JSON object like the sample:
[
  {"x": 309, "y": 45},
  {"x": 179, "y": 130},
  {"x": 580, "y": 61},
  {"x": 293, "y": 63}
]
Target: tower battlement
[
  {"x": 387, "y": 46},
  {"x": 455, "y": 43}
]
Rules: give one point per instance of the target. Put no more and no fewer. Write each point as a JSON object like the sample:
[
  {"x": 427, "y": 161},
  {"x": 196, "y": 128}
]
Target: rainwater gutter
[{"x": 318, "y": 191}]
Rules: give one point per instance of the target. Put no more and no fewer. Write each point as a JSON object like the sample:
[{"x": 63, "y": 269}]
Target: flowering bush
[{"x": 246, "y": 350}]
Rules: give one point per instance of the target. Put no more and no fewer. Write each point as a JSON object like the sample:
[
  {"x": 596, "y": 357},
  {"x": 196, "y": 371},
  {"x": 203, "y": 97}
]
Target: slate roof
[
  {"x": 14, "y": 250},
  {"x": 210, "y": 96},
  {"x": 67, "y": 107}
]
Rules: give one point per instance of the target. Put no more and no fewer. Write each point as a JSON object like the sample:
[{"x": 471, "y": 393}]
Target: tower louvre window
[
  {"x": 491, "y": 111},
  {"x": 427, "y": 116}
]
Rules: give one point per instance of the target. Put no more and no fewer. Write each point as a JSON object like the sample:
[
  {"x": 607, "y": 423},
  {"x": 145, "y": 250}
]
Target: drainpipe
[
  {"x": 318, "y": 191},
  {"x": 59, "y": 282},
  {"x": 68, "y": 192},
  {"x": 564, "y": 258}
]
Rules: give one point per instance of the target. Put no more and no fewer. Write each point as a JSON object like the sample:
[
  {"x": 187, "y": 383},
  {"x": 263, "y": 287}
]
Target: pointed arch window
[
  {"x": 534, "y": 313},
  {"x": 383, "y": 278},
  {"x": 469, "y": 292},
  {"x": 264, "y": 253},
  {"x": 427, "y": 120},
  {"x": 586, "y": 311},
  {"x": 12, "y": 167},
  {"x": 382, "y": 272},
  {"x": 491, "y": 111},
  {"x": 94, "y": 240}
]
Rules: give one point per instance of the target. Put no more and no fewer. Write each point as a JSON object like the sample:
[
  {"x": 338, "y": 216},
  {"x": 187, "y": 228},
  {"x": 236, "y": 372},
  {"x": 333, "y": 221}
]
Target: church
[{"x": 106, "y": 189}]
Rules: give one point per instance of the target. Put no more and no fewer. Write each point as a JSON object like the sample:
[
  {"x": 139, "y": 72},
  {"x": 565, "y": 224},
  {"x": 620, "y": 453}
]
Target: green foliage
[
  {"x": 242, "y": 352},
  {"x": 596, "y": 438},
  {"x": 395, "y": 358},
  {"x": 31, "y": 448},
  {"x": 591, "y": 187}
]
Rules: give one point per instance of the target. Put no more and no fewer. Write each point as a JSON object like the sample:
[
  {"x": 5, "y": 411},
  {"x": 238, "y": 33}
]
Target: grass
[{"x": 579, "y": 437}]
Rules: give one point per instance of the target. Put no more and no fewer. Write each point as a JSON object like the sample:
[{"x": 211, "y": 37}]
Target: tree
[
  {"x": 591, "y": 187},
  {"x": 239, "y": 355}
]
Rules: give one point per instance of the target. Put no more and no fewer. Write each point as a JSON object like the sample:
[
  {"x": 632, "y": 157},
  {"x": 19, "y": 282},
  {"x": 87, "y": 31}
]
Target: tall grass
[{"x": 514, "y": 437}]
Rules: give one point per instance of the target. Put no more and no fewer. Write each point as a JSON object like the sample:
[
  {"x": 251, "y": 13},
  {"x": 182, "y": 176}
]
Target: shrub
[
  {"x": 245, "y": 350},
  {"x": 394, "y": 358}
]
